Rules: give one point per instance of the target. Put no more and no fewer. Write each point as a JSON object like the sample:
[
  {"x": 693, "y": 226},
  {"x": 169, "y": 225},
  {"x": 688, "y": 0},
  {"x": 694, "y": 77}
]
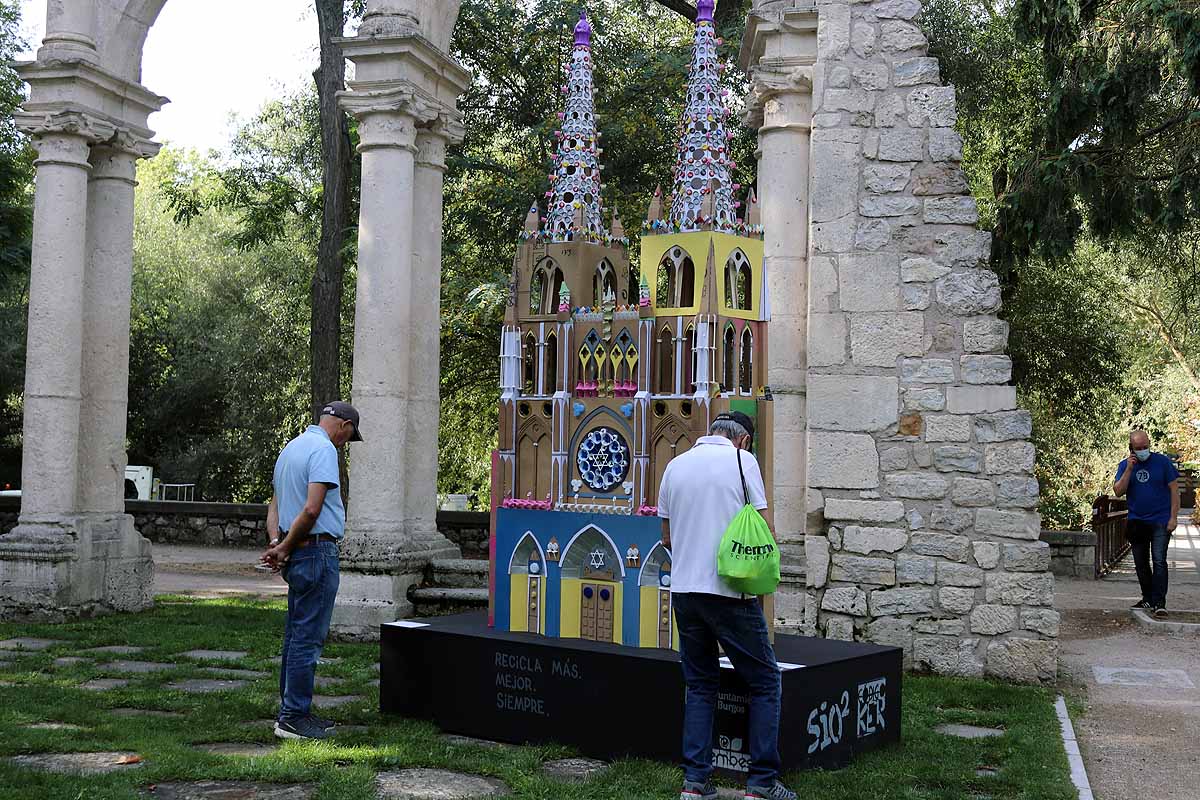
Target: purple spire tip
[
  {"x": 583, "y": 31},
  {"x": 704, "y": 10}
]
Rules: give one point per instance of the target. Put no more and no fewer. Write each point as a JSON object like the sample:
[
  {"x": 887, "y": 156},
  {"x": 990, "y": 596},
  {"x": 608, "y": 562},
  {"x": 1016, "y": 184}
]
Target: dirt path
[
  {"x": 1141, "y": 734},
  {"x": 212, "y": 572}
]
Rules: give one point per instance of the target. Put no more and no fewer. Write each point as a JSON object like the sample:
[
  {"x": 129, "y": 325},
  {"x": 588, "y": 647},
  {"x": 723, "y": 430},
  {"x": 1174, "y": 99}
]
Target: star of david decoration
[
  {"x": 603, "y": 459},
  {"x": 596, "y": 559}
]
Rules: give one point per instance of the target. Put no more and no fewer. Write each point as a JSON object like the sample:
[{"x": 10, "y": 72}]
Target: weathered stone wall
[
  {"x": 1072, "y": 553},
  {"x": 919, "y": 459},
  {"x": 245, "y": 524}
]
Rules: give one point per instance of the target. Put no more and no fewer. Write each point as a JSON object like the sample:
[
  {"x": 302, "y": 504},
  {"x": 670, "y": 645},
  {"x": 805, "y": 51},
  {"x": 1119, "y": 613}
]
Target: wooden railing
[{"x": 1108, "y": 522}]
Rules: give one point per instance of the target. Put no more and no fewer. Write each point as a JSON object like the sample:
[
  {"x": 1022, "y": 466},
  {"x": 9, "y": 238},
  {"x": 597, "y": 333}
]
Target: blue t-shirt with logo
[
  {"x": 309, "y": 458},
  {"x": 1149, "y": 495}
]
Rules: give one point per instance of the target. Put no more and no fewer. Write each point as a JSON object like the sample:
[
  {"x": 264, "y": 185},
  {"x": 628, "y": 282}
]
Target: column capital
[
  {"x": 116, "y": 159},
  {"x": 778, "y": 52},
  {"x": 388, "y": 116}
]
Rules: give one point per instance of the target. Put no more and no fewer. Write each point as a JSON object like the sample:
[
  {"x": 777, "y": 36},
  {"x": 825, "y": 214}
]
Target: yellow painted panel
[
  {"x": 518, "y": 603},
  {"x": 697, "y": 245},
  {"x": 648, "y": 616},
  {"x": 674, "y": 630},
  {"x": 618, "y": 612},
  {"x": 568, "y": 605},
  {"x": 723, "y": 246}
]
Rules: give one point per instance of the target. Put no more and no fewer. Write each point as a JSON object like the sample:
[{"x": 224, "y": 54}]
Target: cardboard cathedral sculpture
[{"x": 606, "y": 375}]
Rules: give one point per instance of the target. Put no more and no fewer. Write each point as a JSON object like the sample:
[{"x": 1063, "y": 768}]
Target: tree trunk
[{"x": 330, "y": 277}]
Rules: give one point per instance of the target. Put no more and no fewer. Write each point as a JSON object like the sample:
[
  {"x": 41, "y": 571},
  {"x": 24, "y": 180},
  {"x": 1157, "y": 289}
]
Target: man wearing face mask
[{"x": 1151, "y": 482}]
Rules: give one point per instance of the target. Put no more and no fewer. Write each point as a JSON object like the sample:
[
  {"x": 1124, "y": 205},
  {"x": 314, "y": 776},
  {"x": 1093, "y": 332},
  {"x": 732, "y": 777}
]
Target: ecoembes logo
[
  {"x": 728, "y": 755},
  {"x": 758, "y": 551}
]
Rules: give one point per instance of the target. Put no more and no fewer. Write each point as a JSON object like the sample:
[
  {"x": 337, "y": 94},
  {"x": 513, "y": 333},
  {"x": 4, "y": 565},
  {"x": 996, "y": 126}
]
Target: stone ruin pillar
[
  {"x": 920, "y": 490},
  {"x": 74, "y": 550},
  {"x": 404, "y": 97},
  {"x": 778, "y": 51}
]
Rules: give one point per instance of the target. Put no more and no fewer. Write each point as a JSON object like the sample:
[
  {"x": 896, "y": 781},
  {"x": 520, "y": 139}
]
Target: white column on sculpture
[
  {"x": 50, "y": 453},
  {"x": 107, "y": 297},
  {"x": 382, "y": 330},
  {"x": 779, "y": 50},
  {"x": 420, "y": 513}
]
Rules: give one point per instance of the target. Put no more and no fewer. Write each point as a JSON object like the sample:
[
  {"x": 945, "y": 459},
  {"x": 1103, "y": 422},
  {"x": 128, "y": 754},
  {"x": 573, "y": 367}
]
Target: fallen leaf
[{"x": 129, "y": 760}]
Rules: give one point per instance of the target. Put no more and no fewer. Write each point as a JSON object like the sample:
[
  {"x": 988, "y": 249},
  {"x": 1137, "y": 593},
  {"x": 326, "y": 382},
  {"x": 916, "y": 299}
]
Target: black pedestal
[{"x": 608, "y": 701}]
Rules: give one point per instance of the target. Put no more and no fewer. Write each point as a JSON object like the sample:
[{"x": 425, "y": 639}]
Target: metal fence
[{"x": 1108, "y": 523}]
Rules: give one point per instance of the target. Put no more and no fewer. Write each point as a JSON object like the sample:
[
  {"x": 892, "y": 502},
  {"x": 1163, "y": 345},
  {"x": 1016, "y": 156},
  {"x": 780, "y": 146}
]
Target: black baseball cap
[
  {"x": 740, "y": 418},
  {"x": 343, "y": 411}
]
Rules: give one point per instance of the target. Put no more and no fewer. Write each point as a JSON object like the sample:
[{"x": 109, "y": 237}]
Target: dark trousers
[
  {"x": 704, "y": 621},
  {"x": 312, "y": 574},
  {"x": 1149, "y": 541}
]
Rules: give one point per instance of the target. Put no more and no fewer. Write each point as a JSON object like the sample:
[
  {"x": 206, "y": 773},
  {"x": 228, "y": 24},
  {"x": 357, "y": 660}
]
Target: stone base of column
[
  {"x": 55, "y": 569},
  {"x": 378, "y": 569}
]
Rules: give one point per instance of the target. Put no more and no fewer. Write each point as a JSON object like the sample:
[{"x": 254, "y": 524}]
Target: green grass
[{"x": 1029, "y": 758}]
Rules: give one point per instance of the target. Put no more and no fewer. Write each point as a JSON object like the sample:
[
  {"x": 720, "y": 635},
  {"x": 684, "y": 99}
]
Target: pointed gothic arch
[{"x": 746, "y": 362}]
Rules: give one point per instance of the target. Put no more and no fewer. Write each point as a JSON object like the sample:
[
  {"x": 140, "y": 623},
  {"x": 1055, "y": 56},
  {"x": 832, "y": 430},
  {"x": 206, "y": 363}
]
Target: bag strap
[{"x": 745, "y": 492}]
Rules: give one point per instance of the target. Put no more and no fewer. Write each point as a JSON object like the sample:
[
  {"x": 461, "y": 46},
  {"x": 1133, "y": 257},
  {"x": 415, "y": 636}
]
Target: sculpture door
[
  {"x": 596, "y": 612},
  {"x": 664, "y": 619},
  {"x": 535, "y": 605}
]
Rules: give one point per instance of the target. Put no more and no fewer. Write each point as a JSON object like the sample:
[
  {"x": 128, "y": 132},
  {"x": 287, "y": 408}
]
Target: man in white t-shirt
[{"x": 701, "y": 492}]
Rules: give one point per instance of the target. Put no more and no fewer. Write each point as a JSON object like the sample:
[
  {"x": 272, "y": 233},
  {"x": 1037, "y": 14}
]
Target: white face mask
[{"x": 1142, "y": 455}]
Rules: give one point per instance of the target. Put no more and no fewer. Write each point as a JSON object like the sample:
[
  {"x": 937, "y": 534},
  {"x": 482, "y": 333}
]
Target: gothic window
[
  {"x": 666, "y": 361},
  {"x": 635, "y": 291},
  {"x": 729, "y": 360},
  {"x": 551, "y": 363},
  {"x": 591, "y": 367},
  {"x": 556, "y": 285},
  {"x": 689, "y": 366},
  {"x": 537, "y": 290},
  {"x": 746, "y": 370},
  {"x": 738, "y": 282},
  {"x": 544, "y": 286},
  {"x": 680, "y": 280},
  {"x": 530, "y": 363},
  {"x": 603, "y": 283}
]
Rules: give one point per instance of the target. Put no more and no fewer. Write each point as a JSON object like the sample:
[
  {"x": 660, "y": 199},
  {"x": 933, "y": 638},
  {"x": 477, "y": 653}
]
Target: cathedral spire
[
  {"x": 703, "y": 165},
  {"x": 576, "y": 178}
]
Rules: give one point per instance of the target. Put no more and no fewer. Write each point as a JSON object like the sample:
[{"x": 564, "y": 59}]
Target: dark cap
[
  {"x": 343, "y": 411},
  {"x": 740, "y": 418}
]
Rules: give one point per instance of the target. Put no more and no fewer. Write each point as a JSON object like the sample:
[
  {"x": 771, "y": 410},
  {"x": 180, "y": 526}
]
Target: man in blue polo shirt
[
  {"x": 306, "y": 521},
  {"x": 1151, "y": 482}
]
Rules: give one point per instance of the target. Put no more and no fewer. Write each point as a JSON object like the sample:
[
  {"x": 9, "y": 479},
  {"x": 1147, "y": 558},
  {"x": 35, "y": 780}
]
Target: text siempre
[{"x": 518, "y": 681}]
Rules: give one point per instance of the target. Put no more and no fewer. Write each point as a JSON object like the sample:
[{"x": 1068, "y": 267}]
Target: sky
[{"x": 214, "y": 59}]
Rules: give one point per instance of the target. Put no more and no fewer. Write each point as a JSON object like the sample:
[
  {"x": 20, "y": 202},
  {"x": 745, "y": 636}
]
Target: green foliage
[
  {"x": 16, "y": 216},
  {"x": 219, "y": 340},
  {"x": 1115, "y": 149}
]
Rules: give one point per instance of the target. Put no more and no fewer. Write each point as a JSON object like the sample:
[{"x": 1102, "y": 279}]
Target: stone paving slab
[
  {"x": 231, "y": 790},
  {"x": 214, "y": 655},
  {"x": 968, "y": 731},
  {"x": 332, "y": 701},
  {"x": 231, "y": 672},
  {"x": 28, "y": 643},
  {"x": 324, "y": 683},
  {"x": 54, "y": 726},
  {"x": 77, "y": 763},
  {"x": 573, "y": 770},
  {"x": 436, "y": 784},
  {"x": 258, "y": 723},
  {"x": 247, "y": 749},
  {"x": 205, "y": 685},
  {"x": 1133, "y": 676},
  {"x": 468, "y": 741},
  {"x": 104, "y": 684},
  {"x": 70, "y": 661},
  {"x": 115, "y": 649},
  {"x": 137, "y": 666},
  {"x": 144, "y": 712}
]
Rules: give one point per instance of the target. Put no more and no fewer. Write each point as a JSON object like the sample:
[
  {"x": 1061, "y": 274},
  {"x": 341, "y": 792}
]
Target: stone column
[
  {"x": 49, "y": 471},
  {"x": 107, "y": 297},
  {"x": 778, "y": 52},
  {"x": 420, "y": 513}
]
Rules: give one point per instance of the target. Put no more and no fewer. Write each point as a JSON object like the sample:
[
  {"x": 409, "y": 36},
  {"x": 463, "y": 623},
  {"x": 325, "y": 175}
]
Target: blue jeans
[
  {"x": 704, "y": 621},
  {"x": 1149, "y": 541},
  {"x": 312, "y": 577}
]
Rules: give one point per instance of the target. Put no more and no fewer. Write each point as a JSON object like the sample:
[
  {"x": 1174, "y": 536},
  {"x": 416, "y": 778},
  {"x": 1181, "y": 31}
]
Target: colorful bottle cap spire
[
  {"x": 576, "y": 179},
  {"x": 583, "y": 31},
  {"x": 702, "y": 163}
]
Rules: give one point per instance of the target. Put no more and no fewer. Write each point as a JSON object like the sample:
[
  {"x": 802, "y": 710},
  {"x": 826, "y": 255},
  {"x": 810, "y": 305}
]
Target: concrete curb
[
  {"x": 1074, "y": 757},
  {"x": 1153, "y": 625}
]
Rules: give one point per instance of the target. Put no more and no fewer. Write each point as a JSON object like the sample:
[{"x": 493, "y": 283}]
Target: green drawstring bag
[{"x": 748, "y": 559}]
